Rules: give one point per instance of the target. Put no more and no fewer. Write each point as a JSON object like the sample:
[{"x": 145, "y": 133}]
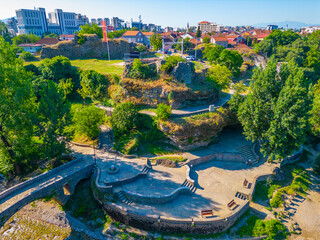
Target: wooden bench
[
  {"x": 205, "y": 213},
  {"x": 245, "y": 183},
  {"x": 231, "y": 204}
]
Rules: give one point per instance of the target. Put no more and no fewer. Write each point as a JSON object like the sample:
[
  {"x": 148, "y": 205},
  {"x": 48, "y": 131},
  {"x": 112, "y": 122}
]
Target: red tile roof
[
  {"x": 48, "y": 41},
  {"x": 195, "y": 41},
  {"x": 67, "y": 35},
  {"x": 242, "y": 46},
  {"x": 29, "y": 45},
  {"x": 204, "y": 22},
  {"x": 220, "y": 39},
  {"x": 148, "y": 33},
  {"x": 130, "y": 33},
  {"x": 263, "y": 35}
]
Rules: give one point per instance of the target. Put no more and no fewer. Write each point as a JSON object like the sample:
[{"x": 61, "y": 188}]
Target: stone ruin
[{"x": 93, "y": 47}]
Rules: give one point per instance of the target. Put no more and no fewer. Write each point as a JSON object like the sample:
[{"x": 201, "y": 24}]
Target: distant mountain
[{"x": 291, "y": 24}]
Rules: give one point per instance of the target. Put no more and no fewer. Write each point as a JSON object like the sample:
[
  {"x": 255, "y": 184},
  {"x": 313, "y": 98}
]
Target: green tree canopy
[
  {"x": 163, "y": 111},
  {"x": 125, "y": 118},
  {"x": 219, "y": 76},
  {"x": 91, "y": 29},
  {"x": 275, "y": 113},
  {"x": 4, "y": 32},
  {"x": 87, "y": 120},
  {"x": 17, "y": 111},
  {"x": 25, "y": 38},
  {"x": 156, "y": 41},
  {"x": 232, "y": 60},
  {"x": 93, "y": 85},
  {"x": 212, "y": 52}
]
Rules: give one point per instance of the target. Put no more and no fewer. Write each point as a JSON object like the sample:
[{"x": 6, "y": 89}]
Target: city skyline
[{"x": 177, "y": 13}]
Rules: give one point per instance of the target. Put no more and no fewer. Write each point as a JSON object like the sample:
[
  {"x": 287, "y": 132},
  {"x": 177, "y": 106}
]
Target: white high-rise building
[
  {"x": 59, "y": 22},
  {"x": 66, "y": 20},
  {"x": 32, "y": 21}
]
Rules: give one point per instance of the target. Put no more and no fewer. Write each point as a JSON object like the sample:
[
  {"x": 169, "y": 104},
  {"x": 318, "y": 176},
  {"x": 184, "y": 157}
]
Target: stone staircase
[
  {"x": 146, "y": 169},
  {"x": 246, "y": 151},
  {"x": 241, "y": 196},
  {"x": 187, "y": 184},
  {"x": 124, "y": 198}
]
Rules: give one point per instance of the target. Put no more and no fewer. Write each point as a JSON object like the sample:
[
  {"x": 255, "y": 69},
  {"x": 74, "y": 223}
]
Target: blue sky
[{"x": 178, "y": 12}]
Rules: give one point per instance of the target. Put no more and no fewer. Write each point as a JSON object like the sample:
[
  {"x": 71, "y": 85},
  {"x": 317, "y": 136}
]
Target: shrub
[
  {"x": 141, "y": 48},
  {"x": 316, "y": 166},
  {"x": 142, "y": 71},
  {"x": 125, "y": 117},
  {"x": 171, "y": 62},
  {"x": 163, "y": 111},
  {"x": 81, "y": 39},
  {"x": 87, "y": 121},
  {"x": 26, "y": 56}
]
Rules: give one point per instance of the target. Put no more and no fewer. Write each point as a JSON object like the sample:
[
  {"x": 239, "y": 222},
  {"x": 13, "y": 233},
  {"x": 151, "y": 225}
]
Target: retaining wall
[
  {"x": 226, "y": 157},
  {"x": 160, "y": 199},
  {"x": 159, "y": 223}
]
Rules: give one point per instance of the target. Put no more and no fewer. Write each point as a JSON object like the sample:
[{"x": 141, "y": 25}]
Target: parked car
[{"x": 191, "y": 58}]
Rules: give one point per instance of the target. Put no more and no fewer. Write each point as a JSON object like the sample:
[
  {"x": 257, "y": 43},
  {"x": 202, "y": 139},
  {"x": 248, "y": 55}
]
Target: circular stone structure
[{"x": 113, "y": 169}]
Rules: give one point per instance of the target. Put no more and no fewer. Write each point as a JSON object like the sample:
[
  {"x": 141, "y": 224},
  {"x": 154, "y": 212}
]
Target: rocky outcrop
[
  {"x": 152, "y": 93},
  {"x": 198, "y": 131},
  {"x": 93, "y": 47}
]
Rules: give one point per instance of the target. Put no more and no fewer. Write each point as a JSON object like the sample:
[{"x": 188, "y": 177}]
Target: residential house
[
  {"x": 189, "y": 35},
  {"x": 134, "y": 37},
  {"x": 66, "y": 37},
  {"x": 222, "y": 41},
  {"x": 31, "y": 47},
  {"x": 147, "y": 36}
]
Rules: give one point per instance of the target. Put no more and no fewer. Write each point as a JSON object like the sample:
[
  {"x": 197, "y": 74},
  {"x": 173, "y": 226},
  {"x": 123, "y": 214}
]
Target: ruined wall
[{"x": 93, "y": 47}]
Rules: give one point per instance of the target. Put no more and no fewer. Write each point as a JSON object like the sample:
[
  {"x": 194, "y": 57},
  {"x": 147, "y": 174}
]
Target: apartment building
[
  {"x": 32, "y": 21},
  {"x": 209, "y": 27},
  {"x": 35, "y": 21}
]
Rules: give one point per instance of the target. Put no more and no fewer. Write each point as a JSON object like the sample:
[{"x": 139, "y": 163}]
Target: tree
[
  {"x": 25, "y": 38},
  {"x": 93, "y": 85},
  {"x": 275, "y": 113},
  {"x": 206, "y": 40},
  {"x": 60, "y": 68},
  {"x": 198, "y": 33},
  {"x": 53, "y": 118},
  {"x": 212, "y": 52},
  {"x": 116, "y": 34},
  {"x": 232, "y": 60},
  {"x": 125, "y": 118},
  {"x": 171, "y": 62},
  {"x": 26, "y": 56},
  {"x": 281, "y": 38},
  {"x": 142, "y": 71},
  {"x": 87, "y": 120},
  {"x": 219, "y": 76},
  {"x": 91, "y": 29},
  {"x": 17, "y": 111},
  {"x": 156, "y": 41},
  {"x": 163, "y": 111},
  {"x": 51, "y": 35},
  {"x": 266, "y": 46},
  {"x": 4, "y": 32},
  {"x": 141, "y": 48},
  {"x": 315, "y": 112}
]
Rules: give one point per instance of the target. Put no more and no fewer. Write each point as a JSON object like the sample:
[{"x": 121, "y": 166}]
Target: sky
[{"x": 177, "y": 13}]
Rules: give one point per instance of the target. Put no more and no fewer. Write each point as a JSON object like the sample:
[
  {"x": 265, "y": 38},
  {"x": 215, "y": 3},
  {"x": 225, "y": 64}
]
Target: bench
[
  {"x": 231, "y": 204},
  {"x": 245, "y": 183},
  {"x": 205, "y": 213}
]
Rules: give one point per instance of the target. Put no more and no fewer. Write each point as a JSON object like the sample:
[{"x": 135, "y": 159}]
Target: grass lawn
[{"x": 101, "y": 66}]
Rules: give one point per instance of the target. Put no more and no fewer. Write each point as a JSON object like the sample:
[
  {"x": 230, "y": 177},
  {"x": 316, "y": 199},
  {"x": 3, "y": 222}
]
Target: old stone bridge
[{"x": 59, "y": 182}]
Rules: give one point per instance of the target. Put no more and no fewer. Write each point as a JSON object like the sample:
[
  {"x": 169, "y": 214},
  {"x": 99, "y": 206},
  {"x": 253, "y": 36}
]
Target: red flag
[{"x": 104, "y": 28}]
